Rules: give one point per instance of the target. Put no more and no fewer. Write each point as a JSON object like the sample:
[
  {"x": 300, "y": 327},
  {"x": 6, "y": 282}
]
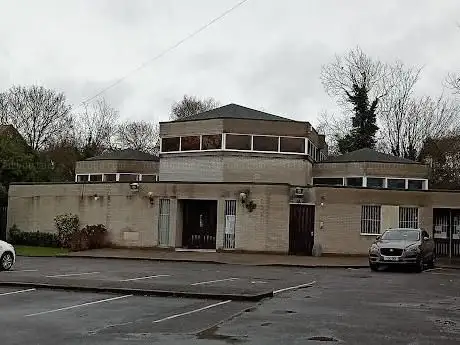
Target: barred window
[
  {"x": 408, "y": 217},
  {"x": 370, "y": 219}
]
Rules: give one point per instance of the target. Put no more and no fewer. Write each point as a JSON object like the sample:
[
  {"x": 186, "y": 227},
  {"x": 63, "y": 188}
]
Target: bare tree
[
  {"x": 354, "y": 69},
  {"x": 97, "y": 126},
  {"x": 334, "y": 128},
  {"x": 39, "y": 114},
  {"x": 3, "y": 108},
  {"x": 191, "y": 105},
  {"x": 453, "y": 82},
  {"x": 138, "y": 135},
  {"x": 395, "y": 107}
]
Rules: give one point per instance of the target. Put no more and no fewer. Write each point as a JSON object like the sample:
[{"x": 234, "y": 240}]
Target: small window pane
[
  {"x": 263, "y": 143},
  {"x": 415, "y": 184},
  {"x": 96, "y": 178},
  {"x": 292, "y": 144},
  {"x": 375, "y": 182},
  {"x": 211, "y": 142},
  {"x": 149, "y": 178},
  {"x": 355, "y": 181},
  {"x": 396, "y": 184},
  {"x": 128, "y": 177},
  {"x": 170, "y": 144},
  {"x": 82, "y": 178},
  {"x": 190, "y": 143},
  {"x": 110, "y": 177},
  {"x": 328, "y": 181},
  {"x": 238, "y": 142}
]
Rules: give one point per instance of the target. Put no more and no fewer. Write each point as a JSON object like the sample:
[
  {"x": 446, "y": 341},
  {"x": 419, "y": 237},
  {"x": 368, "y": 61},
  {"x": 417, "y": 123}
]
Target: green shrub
[
  {"x": 90, "y": 237},
  {"x": 35, "y": 238},
  {"x": 67, "y": 226}
]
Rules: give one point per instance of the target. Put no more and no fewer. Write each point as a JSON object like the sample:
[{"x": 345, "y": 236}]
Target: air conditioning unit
[{"x": 299, "y": 191}]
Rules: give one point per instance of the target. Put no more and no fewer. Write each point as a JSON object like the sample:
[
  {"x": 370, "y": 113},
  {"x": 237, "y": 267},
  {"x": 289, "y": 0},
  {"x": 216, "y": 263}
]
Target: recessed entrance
[{"x": 199, "y": 224}]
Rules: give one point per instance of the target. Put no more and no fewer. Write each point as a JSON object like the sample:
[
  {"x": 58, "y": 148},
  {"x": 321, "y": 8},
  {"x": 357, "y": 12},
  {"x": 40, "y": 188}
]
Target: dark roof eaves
[{"x": 232, "y": 118}]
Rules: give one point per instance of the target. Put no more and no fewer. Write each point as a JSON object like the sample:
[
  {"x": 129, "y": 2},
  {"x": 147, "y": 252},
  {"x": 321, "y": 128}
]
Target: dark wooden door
[
  {"x": 200, "y": 224},
  {"x": 301, "y": 229}
]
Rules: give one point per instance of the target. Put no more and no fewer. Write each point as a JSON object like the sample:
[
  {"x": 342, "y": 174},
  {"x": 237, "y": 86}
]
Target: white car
[{"x": 7, "y": 256}]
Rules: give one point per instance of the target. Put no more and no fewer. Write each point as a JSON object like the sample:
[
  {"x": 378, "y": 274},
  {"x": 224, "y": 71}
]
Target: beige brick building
[{"x": 239, "y": 179}]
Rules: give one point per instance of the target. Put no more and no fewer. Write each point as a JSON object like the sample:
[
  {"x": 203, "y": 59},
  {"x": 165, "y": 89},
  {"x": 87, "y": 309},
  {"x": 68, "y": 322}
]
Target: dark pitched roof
[
  {"x": 368, "y": 155},
  {"x": 235, "y": 111},
  {"x": 127, "y": 154}
]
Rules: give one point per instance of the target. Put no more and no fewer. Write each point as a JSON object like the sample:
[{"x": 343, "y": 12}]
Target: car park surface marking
[
  {"x": 191, "y": 312},
  {"x": 214, "y": 281},
  {"x": 147, "y": 277},
  {"x": 79, "y": 305},
  {"x": 294, "y": 287},
  {"x": 71, "y": 274},
  {"x": 19, "y": 271},
  {"x": 16, "y": 292},
  {"x": 433, "y": 269}
]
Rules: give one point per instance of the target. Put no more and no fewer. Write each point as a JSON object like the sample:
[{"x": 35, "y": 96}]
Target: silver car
[{"x": 412, "y": 247}]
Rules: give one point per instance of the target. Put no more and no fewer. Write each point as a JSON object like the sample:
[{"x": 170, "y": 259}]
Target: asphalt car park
[{"x": 349, "y": 306}]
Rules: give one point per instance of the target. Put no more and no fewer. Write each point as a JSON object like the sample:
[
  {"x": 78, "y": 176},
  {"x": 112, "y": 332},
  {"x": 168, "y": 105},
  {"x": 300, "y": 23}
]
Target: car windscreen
[{"x": 395, "y": 235}]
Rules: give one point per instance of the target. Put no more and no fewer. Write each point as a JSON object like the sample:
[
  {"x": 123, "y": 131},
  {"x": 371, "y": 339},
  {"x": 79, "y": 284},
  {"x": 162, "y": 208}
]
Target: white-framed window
[
  {"x": 261, "y": 143},
  {"x": 408, "y": 217},
  {"x": 370, "y": 219},
  {"x": 229, "y": 224}
]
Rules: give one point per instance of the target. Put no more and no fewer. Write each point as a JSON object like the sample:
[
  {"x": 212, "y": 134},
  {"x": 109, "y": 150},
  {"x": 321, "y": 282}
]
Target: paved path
[{"x": 240, "y": 259}]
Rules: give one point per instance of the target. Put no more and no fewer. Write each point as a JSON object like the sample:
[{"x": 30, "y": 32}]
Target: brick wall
[
  {"x": 235, "y": 167},
  {"x": 117, "y": 166},
  {"x": 133, "y": 221}
]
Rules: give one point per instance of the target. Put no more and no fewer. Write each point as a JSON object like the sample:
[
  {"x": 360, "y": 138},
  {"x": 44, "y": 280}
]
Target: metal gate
[
  {"x": 163, "y": 222},
  {"x": 229, "y": 229},
  {"x": 301, "y": 229},
  {"x": 446, "y": 231},
  {"x": 3, "y": 215}
]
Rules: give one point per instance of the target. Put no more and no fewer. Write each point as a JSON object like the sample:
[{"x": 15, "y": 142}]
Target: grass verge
[{"x": 39, "y": 251}]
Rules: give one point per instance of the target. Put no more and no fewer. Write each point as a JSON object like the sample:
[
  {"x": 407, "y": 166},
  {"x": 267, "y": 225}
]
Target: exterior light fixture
[
  {"x": 244, "y": 198},
  {"x": 134, "y": 186},
  {"x": 96, "y": 197},
  {"x": 150, "y": 195}
]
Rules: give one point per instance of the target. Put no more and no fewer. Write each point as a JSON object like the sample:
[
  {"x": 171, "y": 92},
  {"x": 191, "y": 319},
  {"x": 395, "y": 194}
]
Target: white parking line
[
  {"x": 79, "y": 305},
  {"x": 15, "y": 292},
  {"x": 294, "y": 287},
  {"x": 214, "y": 281},
  {"x": 432, "y": 269},
  {"x": 71, "y": 274},
  {"x": 191, "y": 312},
  {"x": 147, "y": 277},
  {"x": 16, "y": 271}
]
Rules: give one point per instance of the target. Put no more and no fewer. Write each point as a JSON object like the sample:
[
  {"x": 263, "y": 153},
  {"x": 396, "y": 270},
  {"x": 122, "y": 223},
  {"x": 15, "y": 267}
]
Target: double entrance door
[{"x": 199, "y": 224}]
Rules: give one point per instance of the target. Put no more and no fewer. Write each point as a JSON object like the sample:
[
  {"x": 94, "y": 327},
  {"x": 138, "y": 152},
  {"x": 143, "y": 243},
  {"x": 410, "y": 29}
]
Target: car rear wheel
[
  {"x": 374, "y": 267},
  {"x": 6, "y": 261}
]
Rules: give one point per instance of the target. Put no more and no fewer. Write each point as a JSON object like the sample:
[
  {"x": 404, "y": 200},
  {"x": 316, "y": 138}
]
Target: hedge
[{"x": 34, "y": 238}]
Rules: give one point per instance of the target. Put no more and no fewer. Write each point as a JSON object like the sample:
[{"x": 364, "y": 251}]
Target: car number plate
[{"x": 391, "y": 258}]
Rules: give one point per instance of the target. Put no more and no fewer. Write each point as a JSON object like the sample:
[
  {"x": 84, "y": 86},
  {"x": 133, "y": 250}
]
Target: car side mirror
[
  {"x": 426, "y": 238},
  {"x": 378, "y": 237}
]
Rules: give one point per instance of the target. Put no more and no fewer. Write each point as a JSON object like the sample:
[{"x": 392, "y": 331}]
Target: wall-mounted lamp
[
  {"x": 134, "y": 186},
  {"x": 322, "y": 201},
  {"x": 150, "y": 195},
  {"x": 244, "y": 198},
  {"x": 96, "y": 197}
]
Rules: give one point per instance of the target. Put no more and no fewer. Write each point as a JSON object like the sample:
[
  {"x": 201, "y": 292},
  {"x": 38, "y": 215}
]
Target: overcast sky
[{"x": 267, "y": 54}]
